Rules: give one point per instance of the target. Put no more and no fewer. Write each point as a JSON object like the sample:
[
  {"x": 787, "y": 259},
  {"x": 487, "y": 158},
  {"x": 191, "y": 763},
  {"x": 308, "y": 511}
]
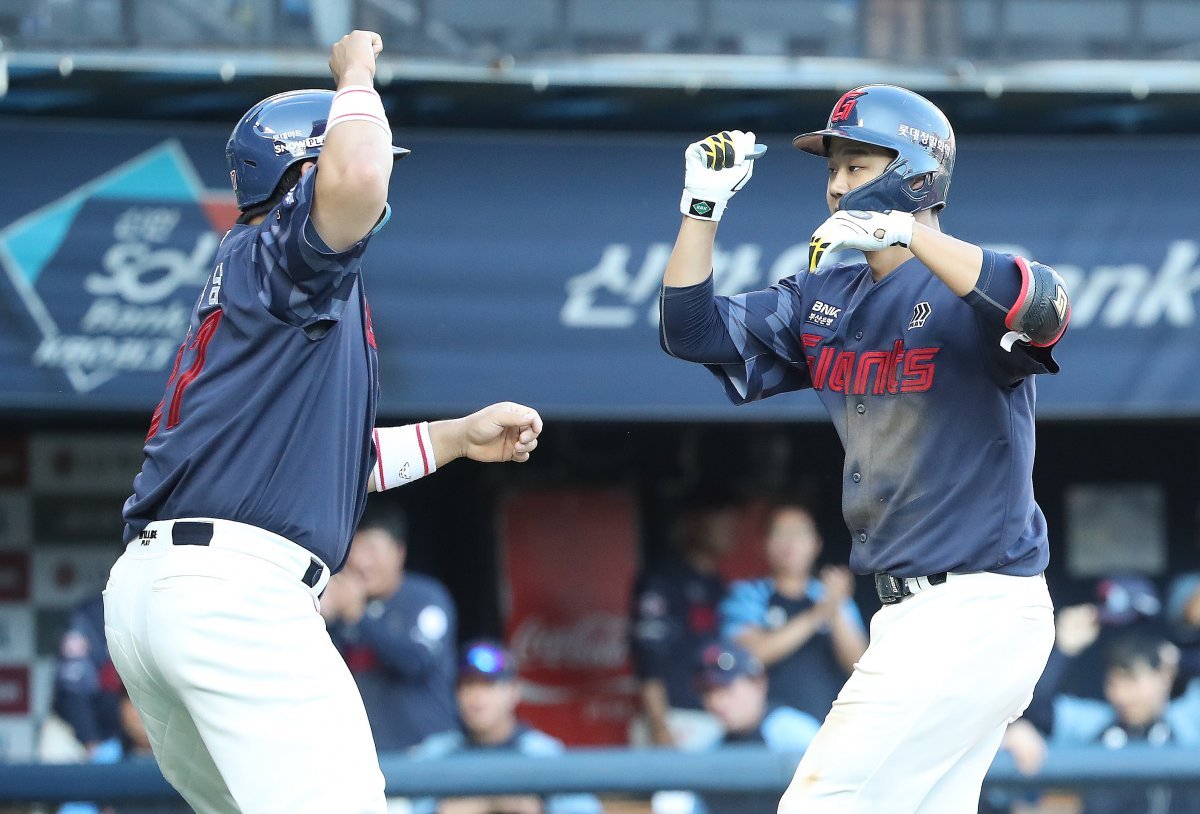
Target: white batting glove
[
  {"x": 715, "y": 168},
  {"x": 855, "y": 229}
]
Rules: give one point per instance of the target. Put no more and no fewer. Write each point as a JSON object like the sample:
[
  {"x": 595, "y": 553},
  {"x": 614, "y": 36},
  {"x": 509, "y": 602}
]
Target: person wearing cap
[
  {"x": 734, "y": 686},
  {"x": 805, "y": 629},
  {"x": 674, "y": 612},
  {"x": 396, "y": 630},
  {"x": 87, "y": 690},
  {"x": 488, "y": 692},
  {"x": 1140, "y": 669}
]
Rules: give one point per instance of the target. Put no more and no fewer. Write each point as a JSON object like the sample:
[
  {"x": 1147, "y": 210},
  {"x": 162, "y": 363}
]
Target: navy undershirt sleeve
[{"x": 691, "y": 328}]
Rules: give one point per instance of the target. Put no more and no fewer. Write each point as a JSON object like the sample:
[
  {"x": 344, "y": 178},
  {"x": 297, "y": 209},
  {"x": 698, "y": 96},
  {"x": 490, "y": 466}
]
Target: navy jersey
[
  {"x": 936, "y": 418},
  {"x": 402, "y": 655},
  {"x": 811, "y": 676},
  {"x": 87, "y": 689},
  {"x": 268, "y": 413},
  {"x": 674, "y": 615}
]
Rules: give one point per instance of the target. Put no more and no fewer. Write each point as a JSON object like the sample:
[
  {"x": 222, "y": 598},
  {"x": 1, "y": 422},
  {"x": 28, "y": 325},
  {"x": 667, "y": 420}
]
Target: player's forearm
[
  {"x": 356, "y": 159},
  {"x": 773, "y": 646},
  {"x": 358, "y": 144},
  {"x": 691, "y": 260},
  {"x": 449, "y": 439},
  {"x": 849, "y": 642},
  {"x": 655, "y": 705},
  {"x": 955, "y": 262}
]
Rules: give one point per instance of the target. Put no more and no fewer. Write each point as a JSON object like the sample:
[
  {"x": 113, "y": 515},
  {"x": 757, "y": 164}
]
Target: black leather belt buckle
[
  {"x": 313, "y": 575},
  {"x": 890, "y": 589},
  {"x": 190, "y": 532}
]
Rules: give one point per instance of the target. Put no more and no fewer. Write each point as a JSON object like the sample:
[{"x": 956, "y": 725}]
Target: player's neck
[
  {"x": 500, "y": 733},
  {"x": 792, "y": 586},
  {"x": 885, "y": 261}
]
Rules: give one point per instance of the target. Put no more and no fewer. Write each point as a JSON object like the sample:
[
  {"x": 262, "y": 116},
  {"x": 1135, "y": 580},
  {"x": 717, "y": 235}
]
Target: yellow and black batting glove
[{"x": 714, "y": 169}]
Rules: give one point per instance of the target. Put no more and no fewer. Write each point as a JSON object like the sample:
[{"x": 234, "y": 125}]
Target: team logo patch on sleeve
[
  {"x": 823, "y": 315},
  {"x": 920, "y": 313}
]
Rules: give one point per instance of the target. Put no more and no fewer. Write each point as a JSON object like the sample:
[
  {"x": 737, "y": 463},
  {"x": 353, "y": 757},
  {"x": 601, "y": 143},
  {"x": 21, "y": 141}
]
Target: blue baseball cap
[
  {"x": 723, "y": 662},
  {"x": 486, "y": 659},
  {"x": 1127, "y": 598}
]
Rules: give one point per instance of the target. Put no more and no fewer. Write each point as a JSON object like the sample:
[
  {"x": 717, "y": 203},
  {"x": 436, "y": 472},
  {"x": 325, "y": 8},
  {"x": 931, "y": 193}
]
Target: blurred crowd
[{"x": 752, "y": 661}]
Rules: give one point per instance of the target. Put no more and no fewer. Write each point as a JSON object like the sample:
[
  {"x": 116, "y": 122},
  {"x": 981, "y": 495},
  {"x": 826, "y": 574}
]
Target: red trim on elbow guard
[{"x": 1026, "y": 274}]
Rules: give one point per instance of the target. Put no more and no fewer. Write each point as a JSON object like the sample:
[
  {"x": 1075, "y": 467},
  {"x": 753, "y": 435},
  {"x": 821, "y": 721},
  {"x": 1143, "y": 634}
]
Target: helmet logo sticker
[{"x": 845, "y": 107}]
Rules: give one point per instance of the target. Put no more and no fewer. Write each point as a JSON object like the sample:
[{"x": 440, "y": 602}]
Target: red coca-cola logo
[{"x": 596, "y": 641}]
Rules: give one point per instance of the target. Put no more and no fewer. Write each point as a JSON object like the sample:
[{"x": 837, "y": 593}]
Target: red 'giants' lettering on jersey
[
  {"x": 370, "y": 327},
  {"x": 856, "y": 373}
]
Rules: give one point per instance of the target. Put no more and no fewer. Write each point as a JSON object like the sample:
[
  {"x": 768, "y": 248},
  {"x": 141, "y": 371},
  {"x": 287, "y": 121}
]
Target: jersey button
[
  {"x": 858, "y": 334},
  {"x": 862, "y": 536},
  {"x": 862, "y": 408},
  {"x": 856, "y": 477}
]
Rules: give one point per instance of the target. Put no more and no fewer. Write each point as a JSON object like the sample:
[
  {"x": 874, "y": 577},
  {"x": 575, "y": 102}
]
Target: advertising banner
[{"x": 528, "y": 266}]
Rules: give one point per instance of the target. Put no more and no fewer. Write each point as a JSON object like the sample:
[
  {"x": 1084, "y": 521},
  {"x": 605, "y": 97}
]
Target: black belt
[
  {"x": 892, "y": 589},
  {"x": 197, "y": 532}
]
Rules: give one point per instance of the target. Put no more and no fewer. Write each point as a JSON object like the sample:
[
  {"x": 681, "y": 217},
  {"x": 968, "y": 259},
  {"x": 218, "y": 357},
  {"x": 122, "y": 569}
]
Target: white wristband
[
  {"x": 357, "y": 103},
  {"x": 402, "y": 455},
  {"x": 701, "y": 209}
]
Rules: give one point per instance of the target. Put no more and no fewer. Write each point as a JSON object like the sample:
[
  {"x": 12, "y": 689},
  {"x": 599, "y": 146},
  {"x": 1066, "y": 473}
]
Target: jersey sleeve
[
  {"x": 789, "y": 730},
  {"x": 300, "y": 279},
  {"x": 999, "y": 287},
  {"x": 851, "y": 614},
  {"x": 415, "y": 649},
  {"x": 762, "y": 325},
  {"x": 1079, "y": 720},
  {"x": 743, "y": 607}
]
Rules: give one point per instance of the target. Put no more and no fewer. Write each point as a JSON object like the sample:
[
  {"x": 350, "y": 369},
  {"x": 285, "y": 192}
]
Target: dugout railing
[{"x": 613, "y": 772}]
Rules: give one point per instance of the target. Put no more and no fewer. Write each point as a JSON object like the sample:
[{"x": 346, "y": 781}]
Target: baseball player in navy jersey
[
  {"x": 257, "y": 468},
  {"x": 925, "y": 356}
]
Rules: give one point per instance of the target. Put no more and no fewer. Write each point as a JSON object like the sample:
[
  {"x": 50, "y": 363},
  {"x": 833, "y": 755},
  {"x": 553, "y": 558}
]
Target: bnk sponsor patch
[{"x": 823, "y": 315}]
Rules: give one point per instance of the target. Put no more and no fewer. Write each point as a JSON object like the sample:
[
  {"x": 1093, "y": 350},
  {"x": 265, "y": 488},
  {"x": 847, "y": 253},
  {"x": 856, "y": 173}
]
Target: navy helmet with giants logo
[
  {"x": 276, "y": 133},
  {"x": 898, "y": 120}
]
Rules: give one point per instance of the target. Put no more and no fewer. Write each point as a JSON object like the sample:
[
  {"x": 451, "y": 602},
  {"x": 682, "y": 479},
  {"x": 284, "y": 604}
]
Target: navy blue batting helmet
[
  {"x": 276, "y": 133},
  {"x": 899, "y": 120}
]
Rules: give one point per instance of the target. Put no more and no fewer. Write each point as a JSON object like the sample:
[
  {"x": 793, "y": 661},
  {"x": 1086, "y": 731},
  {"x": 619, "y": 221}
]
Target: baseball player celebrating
[
  {"x": 257, "y": 468},
  {"x": 924, "y": 356}
]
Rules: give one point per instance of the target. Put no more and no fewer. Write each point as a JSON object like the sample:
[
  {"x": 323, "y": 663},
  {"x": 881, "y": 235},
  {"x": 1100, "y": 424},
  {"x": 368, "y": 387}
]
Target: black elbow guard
[{"x": 1042, "y": 310}]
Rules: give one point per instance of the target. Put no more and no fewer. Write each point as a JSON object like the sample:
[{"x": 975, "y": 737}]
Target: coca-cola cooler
[{"x": 570, "y": 558}]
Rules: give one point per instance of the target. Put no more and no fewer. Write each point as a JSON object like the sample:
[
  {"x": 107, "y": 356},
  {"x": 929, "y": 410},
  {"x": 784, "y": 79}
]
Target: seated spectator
[
  {"x": 733, "y": 684},
  {"x": 674, "y": 614},
  {"x": 488, "y": 693},
  {"x": 87, "y": 690},
  {"x": 1183, "y": 615},
  {"x": 396, "y": 630},
  {"x": 1139, "y": 673},
  {"x": 130, "y": 743},
  {"x": 807, "y": 631}
]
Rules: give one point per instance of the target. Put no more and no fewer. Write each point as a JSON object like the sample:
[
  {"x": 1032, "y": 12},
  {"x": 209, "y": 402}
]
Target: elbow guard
[{"x": 1042, "y": 310}]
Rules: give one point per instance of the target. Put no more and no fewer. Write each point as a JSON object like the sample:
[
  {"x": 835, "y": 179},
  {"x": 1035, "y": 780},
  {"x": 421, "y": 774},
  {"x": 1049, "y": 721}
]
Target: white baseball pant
[
  {"x": 247, "y": 703},
  {"x": 920, "y": 719}
]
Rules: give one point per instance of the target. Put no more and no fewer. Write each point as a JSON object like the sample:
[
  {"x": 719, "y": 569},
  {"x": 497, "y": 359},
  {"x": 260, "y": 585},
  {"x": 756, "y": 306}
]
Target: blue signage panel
[{"x": 528, "y": 266}]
